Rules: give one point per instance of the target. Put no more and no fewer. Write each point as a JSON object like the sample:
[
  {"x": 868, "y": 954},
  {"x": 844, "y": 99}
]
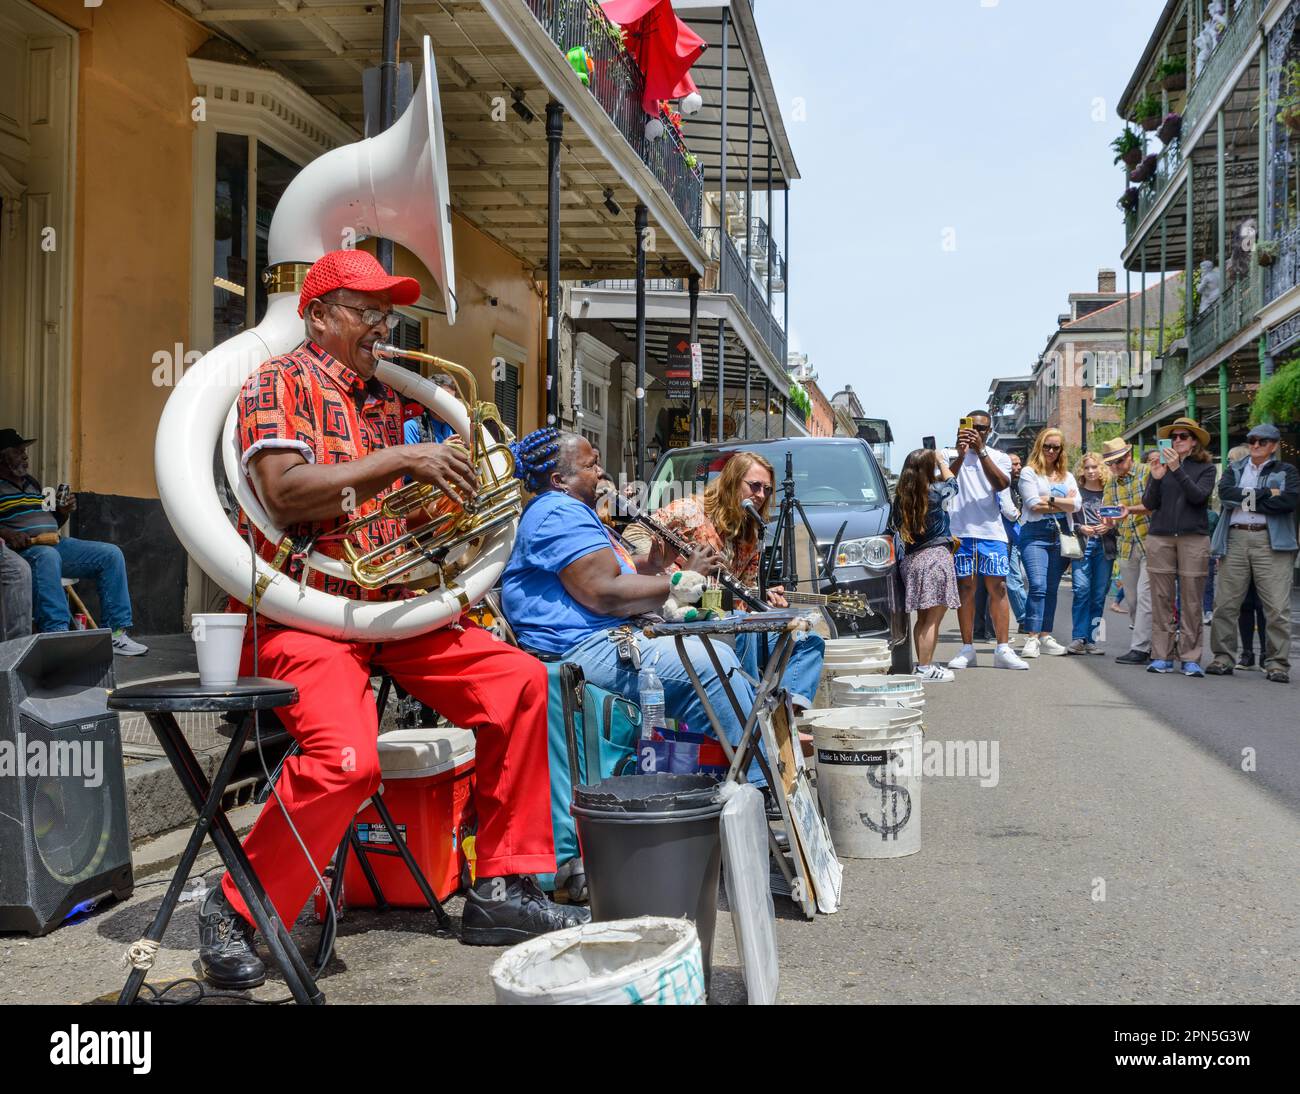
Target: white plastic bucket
[
  {"x": 869, "y": 778},
  {"x": 855, "y": 649},
  {"x": 874, "y": 691},
  {"x": 218, "y": 642},
  {"x": 650, "y": 960}
]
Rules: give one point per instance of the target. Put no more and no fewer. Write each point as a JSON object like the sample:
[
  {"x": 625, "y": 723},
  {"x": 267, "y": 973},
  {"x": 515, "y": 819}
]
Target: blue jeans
[
  {"x": 80, "y": 558},
  {"x": 1040, "y": 547},
  {"x": 598, "y": 658},
  {"x": 803, "y": 672},
  {"x": 1016, "y": 593},
  {"x": 1089, "y": 580}
]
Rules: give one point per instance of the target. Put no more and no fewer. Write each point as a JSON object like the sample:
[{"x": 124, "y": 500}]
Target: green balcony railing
[
  {"x": 1242, "y": 28},
  {"x": 617, "y": 85},
  {"x": 1150, "y": 192},
  {"x": 1226, "y": 317}
]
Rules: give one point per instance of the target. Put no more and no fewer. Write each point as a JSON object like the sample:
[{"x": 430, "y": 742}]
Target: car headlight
[{"x": 875, "y": 552}]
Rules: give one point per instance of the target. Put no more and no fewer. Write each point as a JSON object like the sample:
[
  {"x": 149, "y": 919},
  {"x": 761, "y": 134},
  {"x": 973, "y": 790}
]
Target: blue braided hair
[{"x": 536, "y": 456}]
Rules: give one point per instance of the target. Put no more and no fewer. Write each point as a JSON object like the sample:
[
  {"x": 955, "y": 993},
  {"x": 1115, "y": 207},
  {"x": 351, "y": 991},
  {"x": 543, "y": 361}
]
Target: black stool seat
[{"x": 186, "y": 694}]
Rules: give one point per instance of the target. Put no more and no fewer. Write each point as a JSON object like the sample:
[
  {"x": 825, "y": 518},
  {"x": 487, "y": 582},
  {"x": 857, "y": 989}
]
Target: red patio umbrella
[{"x": 663, "y": 47}]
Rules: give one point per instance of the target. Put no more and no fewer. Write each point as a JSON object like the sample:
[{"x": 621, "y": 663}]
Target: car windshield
[{"x": 829, "y": 473}]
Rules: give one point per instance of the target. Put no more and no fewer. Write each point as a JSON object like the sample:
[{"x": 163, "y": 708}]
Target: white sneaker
[
  {"x": 965, "y": 659},
  {"x": 1004, "y": 657},
  {"x": 127, "y": 646},
  {"x": 933, "y": 674},
  {"x": 1030, "y": 648},
  {"x": 1053, "y": 648}
]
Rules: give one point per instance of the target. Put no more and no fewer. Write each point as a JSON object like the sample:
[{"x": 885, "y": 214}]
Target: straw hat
[
  {"x": 1115, "y": 449},
  {"x": 1187, "y": 424}
]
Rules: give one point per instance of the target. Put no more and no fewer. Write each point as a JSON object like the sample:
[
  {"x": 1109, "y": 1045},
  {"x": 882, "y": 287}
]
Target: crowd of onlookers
[{"x": 980, "y": 532}]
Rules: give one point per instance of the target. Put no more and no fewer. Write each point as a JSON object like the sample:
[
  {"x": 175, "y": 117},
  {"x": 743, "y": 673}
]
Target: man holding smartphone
[{"x": 976, "y": 520}]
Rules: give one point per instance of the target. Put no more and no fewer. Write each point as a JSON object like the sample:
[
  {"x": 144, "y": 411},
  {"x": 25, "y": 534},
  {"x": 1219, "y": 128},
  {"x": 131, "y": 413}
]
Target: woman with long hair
[
  {"x": 920, "y": 517},
  {"x": 1090, "y": 575},
  {"x": 717, "y": 518},
  {"x": 1050, "y": 499},
  {"x": 1178, "y": 544}
]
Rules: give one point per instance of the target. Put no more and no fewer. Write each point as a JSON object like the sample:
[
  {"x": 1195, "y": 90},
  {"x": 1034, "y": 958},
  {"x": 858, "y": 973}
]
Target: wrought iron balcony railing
[
  {"x": 1168, "y": 161},
  {"x": 1241, "y": 29},
  {"x": 618, "y": 86},
  {"x": 734, "y": 277},
  {"x": 1226, "y": 317},
  {"x": 1284, "y": 274}
]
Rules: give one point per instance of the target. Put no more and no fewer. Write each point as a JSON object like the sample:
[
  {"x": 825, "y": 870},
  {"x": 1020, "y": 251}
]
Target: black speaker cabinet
[{"x": 64, "y": 838}]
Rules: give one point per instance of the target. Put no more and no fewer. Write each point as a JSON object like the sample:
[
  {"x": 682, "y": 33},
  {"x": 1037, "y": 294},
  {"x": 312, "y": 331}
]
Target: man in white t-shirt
[{"x": 976, "y": 520}]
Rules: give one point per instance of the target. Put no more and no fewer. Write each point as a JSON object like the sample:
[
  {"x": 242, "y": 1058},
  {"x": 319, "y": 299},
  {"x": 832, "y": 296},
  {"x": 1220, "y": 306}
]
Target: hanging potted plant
[
  {"x": 1143, "y": 170},
  {"x": 1128, "y": 147},
  {"x": 1128, "y": 203},
  {"x": 1147, "y": 112},
  {"x": 1171, "y": 128},
  {"x": 1266, "y": 253},
  {"x": 1288, "y": 105},
  {"x": 1171, "y": 72}
]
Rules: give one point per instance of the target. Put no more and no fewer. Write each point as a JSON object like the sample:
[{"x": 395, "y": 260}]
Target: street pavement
[{"x": 1140, "y": 845}]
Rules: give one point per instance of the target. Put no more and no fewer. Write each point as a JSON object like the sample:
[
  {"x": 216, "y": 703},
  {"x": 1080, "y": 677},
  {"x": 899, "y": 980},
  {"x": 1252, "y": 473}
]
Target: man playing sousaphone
[
  {"x": 322, "y": 445},
  {"x": 718, "y": 518}
]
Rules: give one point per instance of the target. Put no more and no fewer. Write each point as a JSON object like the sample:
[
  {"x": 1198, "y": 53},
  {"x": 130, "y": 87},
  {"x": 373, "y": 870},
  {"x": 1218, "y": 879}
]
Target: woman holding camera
[
  {"x": 1050, "y": 498},
  {"x": 1178, "y": 544}
]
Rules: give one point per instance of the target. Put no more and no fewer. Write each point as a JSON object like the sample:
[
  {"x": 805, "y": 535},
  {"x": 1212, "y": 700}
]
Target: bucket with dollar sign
[{"x": 869, "y": 778}]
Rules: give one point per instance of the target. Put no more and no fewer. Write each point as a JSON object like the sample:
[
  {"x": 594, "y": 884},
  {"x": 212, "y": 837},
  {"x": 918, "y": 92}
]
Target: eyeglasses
[
  {"x": 1051, "y": 448},
  {"x": 980, "y": 428},
  {"x": 1252, "y": 441},
  {"x": 371, "y": 317},
  {"x": 759, "y": 487},
  {"x": 1180, "y": 436}
]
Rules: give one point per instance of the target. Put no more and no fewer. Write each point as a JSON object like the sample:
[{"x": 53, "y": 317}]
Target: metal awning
[
  {"x": 668, "y": 323},
  {"x": 486, "y": 51},
  {"x": 745, "y": 59}
]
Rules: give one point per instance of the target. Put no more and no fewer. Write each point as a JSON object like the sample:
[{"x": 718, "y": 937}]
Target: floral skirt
[{"x": 930, "y": 579}]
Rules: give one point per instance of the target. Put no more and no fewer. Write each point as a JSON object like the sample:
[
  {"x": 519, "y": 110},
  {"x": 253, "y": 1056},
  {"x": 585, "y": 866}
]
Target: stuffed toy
[{"x": 685, "y": 589}]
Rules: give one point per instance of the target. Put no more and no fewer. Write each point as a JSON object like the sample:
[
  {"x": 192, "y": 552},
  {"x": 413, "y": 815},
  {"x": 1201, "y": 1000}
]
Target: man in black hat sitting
[
  {"x": 30, "y": 519},
  {"x": 1256, "y": 539}
]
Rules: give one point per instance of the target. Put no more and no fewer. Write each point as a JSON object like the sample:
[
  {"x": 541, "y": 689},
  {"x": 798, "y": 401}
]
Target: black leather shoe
[
  {"x": 226, "y": 952},
  {"x": 1133, "y": 657},
  {"x": 1219, "y": 668},
  {"x": 500, "y": 911},
  {"x": 1278, "y": 676}
]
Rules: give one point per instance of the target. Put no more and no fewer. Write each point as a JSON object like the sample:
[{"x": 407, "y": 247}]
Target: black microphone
[{"x": 752, "y": 509}]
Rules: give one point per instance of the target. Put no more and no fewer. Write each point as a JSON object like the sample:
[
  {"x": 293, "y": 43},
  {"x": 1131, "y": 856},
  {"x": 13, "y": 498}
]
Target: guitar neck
[{"x": 818, "y": 599}]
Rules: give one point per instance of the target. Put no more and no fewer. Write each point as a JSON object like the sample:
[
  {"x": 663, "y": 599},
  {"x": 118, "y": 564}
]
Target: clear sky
[{"x": 985, "y": 124}]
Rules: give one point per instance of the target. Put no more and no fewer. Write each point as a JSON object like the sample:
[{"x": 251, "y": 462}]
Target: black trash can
[{"x": 651, "y": 846}]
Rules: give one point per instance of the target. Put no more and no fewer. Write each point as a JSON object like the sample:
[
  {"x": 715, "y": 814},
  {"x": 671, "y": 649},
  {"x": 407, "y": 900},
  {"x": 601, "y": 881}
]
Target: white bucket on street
[
  {"x": 218, "y": 642},
  {"x": 650, "y": 960},
  {"x": 875, "y": 691},
  {"x": 869, "y": 778},
  {"x": 855, "y": 649}
]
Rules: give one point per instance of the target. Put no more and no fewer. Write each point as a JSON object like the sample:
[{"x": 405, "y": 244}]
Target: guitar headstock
[{"x": 846, "y": 604}]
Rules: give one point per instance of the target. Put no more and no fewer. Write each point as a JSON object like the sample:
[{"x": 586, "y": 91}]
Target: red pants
[{"x": 475, "y": 680}]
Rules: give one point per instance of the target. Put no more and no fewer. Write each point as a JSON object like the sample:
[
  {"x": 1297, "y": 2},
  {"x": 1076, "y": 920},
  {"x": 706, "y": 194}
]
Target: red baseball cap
[{"x": 359, "y": 271}]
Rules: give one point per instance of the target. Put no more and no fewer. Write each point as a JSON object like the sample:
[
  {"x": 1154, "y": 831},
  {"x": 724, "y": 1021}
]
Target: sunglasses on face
[
  {"x": 372, "y": 317},
  {"x": 1258, "y": 440},
  {"x": 759, "y": 487},
  {"x": 1051, "y": 448},
  {"x": 1180, "y": 436},
  {"x": 980, "y": 428}
]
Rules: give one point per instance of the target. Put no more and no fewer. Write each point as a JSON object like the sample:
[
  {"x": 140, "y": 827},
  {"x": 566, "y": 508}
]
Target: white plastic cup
[{"x": 218, "y": 642}]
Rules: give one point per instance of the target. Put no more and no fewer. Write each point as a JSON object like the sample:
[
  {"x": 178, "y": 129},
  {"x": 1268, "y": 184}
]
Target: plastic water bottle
[{"x": 651, "y": 693}]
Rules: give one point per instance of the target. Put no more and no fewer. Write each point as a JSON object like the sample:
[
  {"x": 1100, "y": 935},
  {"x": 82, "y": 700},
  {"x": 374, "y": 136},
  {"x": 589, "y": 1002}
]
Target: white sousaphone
[{"x": 392, "y": 185}]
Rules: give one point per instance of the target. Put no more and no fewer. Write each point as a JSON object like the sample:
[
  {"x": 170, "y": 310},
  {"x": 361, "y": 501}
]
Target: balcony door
[{"x": 37, "y": 87}]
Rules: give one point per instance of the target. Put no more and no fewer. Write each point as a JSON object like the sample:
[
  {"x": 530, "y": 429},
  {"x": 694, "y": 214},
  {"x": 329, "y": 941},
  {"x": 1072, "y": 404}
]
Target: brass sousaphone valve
[{"x": 453, "y": 528}]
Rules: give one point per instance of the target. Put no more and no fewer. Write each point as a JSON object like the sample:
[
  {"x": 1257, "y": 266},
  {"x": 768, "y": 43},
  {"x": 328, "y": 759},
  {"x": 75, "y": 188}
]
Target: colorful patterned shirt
[
  {"x": 1127, "y": 490},
  {"x": 24, "y": 508},
  {"x": 687, "y": 518},
  {"x": 313, "y": 404}
]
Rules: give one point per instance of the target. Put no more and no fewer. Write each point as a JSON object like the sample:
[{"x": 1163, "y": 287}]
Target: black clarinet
[{"x": 684, "y": 548}]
